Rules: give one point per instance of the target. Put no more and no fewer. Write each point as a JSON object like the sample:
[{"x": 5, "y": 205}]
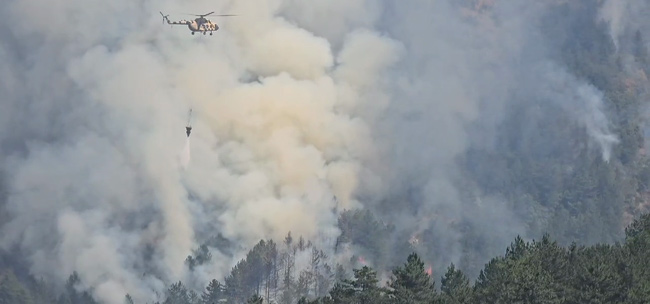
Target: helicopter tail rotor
[{"x": 164, "y": 17}]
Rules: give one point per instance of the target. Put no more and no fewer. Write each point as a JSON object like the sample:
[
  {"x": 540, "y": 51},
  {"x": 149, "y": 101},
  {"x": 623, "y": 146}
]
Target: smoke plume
[
  {"x": 625, "y": 17},
  {"x": 185, "y": 154},
  {"x": 303, "y": 108}
]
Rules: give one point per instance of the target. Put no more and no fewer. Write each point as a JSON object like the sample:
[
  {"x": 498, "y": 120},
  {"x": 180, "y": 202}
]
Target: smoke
[
  {"x": 624, "y": 17},
  {"x": 185, "y": 155},
  {"x": 303, "y": 108},
  {"x": 581, "y": 100},
  {"x": 614, "y": 12},
  {"x": 97, "y": 190},
  {"x": 466, "y": 68}
]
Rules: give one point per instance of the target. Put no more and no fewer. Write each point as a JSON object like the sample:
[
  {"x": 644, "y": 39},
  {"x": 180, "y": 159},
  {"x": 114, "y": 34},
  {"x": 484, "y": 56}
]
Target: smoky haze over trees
[{"x": 330, "y": 141}]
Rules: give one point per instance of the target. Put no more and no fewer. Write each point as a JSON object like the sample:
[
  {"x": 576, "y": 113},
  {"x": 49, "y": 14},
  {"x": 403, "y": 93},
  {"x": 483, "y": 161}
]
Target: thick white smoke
[
  {"x": 297, "y": 102},
  {"x": 104, "y": 195}
]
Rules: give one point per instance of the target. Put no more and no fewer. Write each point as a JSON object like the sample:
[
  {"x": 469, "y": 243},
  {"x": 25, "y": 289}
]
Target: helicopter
[{"x": 200, "y": 24}]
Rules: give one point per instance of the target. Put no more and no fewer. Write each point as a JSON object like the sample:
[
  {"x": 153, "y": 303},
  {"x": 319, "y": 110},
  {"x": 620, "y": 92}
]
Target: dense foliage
[{"x": 529, "y": 272}]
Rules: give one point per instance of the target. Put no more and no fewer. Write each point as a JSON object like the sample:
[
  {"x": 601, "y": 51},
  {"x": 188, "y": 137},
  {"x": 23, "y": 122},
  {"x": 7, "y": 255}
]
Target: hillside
[{"x": 372, "y": 152}]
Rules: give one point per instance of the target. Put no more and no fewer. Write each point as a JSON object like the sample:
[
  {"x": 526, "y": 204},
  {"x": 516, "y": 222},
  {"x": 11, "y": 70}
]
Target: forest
[
  {"x": 538, "y": 271},
  {"x": 529, "y": 272},
  {"x": 584, "y": 218}
]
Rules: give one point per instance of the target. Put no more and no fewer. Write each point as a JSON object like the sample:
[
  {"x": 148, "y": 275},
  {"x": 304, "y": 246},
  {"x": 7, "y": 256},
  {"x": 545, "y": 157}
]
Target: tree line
[{"x": 537, "y": 271}]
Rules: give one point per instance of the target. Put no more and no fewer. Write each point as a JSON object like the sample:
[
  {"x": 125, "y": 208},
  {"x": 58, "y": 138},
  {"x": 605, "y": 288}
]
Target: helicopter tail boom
[{"x": 181, "y": 22}]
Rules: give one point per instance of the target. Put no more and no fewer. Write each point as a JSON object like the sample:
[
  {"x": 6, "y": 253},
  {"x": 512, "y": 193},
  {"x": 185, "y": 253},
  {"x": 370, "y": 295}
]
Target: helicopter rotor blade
[
  {"x": 202, "y": 15},
  {"x": 210, "y": 14}
]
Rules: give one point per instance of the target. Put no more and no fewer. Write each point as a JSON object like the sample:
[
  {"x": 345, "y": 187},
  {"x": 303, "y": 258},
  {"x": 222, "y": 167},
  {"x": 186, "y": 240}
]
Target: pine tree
[
  {"x": 637, "y": 249},
  {"x": 128, "y": 299},
  {"x": 289, "y": 260},
  {"x": 213, "y": 293},
  {"x": 362, "y": 290},
  {"x": 193, "y": 297},
  {"x": 235, "y": 288},
  {"x": 71, "y": 296},
  {"x": 411, "y": 284},
  {"x": 455, "y": 286},
  {"x": 255, "y": 299},
  {"x": 177, "y": 294}
]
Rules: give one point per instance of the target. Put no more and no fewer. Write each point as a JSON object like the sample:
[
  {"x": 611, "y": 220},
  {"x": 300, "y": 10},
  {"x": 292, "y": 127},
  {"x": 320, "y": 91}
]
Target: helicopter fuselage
[
  {"x": 197, "y": 25},
  {"x": 202, "y": 25}
]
